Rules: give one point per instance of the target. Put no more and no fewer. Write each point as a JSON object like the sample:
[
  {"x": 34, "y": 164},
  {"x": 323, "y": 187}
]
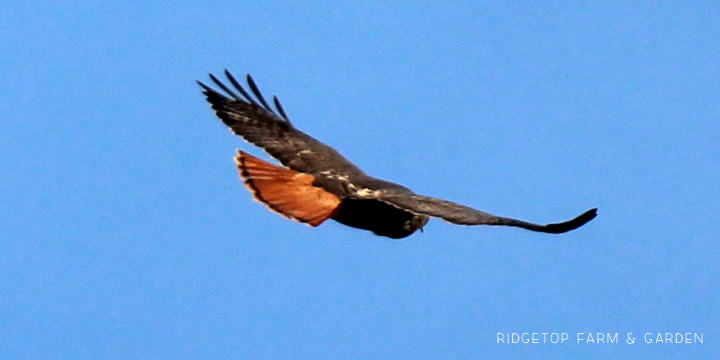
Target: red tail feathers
[{"x": 287, "y": 192}]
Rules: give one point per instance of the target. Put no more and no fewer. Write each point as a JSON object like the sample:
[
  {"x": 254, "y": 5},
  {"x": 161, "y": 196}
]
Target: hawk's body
[{"x": 319, "y": 183}]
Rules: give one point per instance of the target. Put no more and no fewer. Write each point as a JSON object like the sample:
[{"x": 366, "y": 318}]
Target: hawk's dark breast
[{"x": 376, "y": 216}]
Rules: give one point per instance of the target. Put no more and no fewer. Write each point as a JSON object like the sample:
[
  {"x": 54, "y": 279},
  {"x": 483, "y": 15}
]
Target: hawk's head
[{"x": 415, "y": 223}]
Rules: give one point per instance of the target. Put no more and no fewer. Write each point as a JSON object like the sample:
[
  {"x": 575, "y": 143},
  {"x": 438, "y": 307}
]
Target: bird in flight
[{"x": 317, "y": 183}]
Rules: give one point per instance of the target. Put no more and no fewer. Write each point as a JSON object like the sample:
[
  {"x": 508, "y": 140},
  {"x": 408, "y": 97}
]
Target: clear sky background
[{"x": 126, "y": 234}]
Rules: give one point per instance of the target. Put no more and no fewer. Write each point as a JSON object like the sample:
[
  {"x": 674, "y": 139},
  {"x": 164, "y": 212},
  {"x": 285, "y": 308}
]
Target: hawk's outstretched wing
[
  {"x": 257, "y": 122},
  {"x": 463, "y": 215}
]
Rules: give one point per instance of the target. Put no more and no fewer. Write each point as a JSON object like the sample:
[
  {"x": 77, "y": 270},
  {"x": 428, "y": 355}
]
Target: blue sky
[{"x": 125, "y": 232}]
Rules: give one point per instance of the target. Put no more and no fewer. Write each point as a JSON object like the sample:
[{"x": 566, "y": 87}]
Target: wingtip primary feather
[
  {"x": 570, "y": 225},
  {"x": 225, "y": 88},
  {"x": 280, "y": 109},
  {"x": 240, "y": 88},
  {"x": 257, "y": 92},
  {"x": 206, "y": 89}
]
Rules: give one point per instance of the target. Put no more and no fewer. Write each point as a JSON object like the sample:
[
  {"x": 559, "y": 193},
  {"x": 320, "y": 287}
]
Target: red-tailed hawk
[{"x": 317, "y": 183}]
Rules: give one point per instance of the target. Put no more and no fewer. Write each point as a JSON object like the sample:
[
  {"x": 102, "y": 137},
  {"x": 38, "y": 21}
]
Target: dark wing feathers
[
  {"x": 280, "y": 109},
  {"x": 254, "y": 89},
  {"x": 251, "y": 117},
  {"x": 463, "y": 215}
]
